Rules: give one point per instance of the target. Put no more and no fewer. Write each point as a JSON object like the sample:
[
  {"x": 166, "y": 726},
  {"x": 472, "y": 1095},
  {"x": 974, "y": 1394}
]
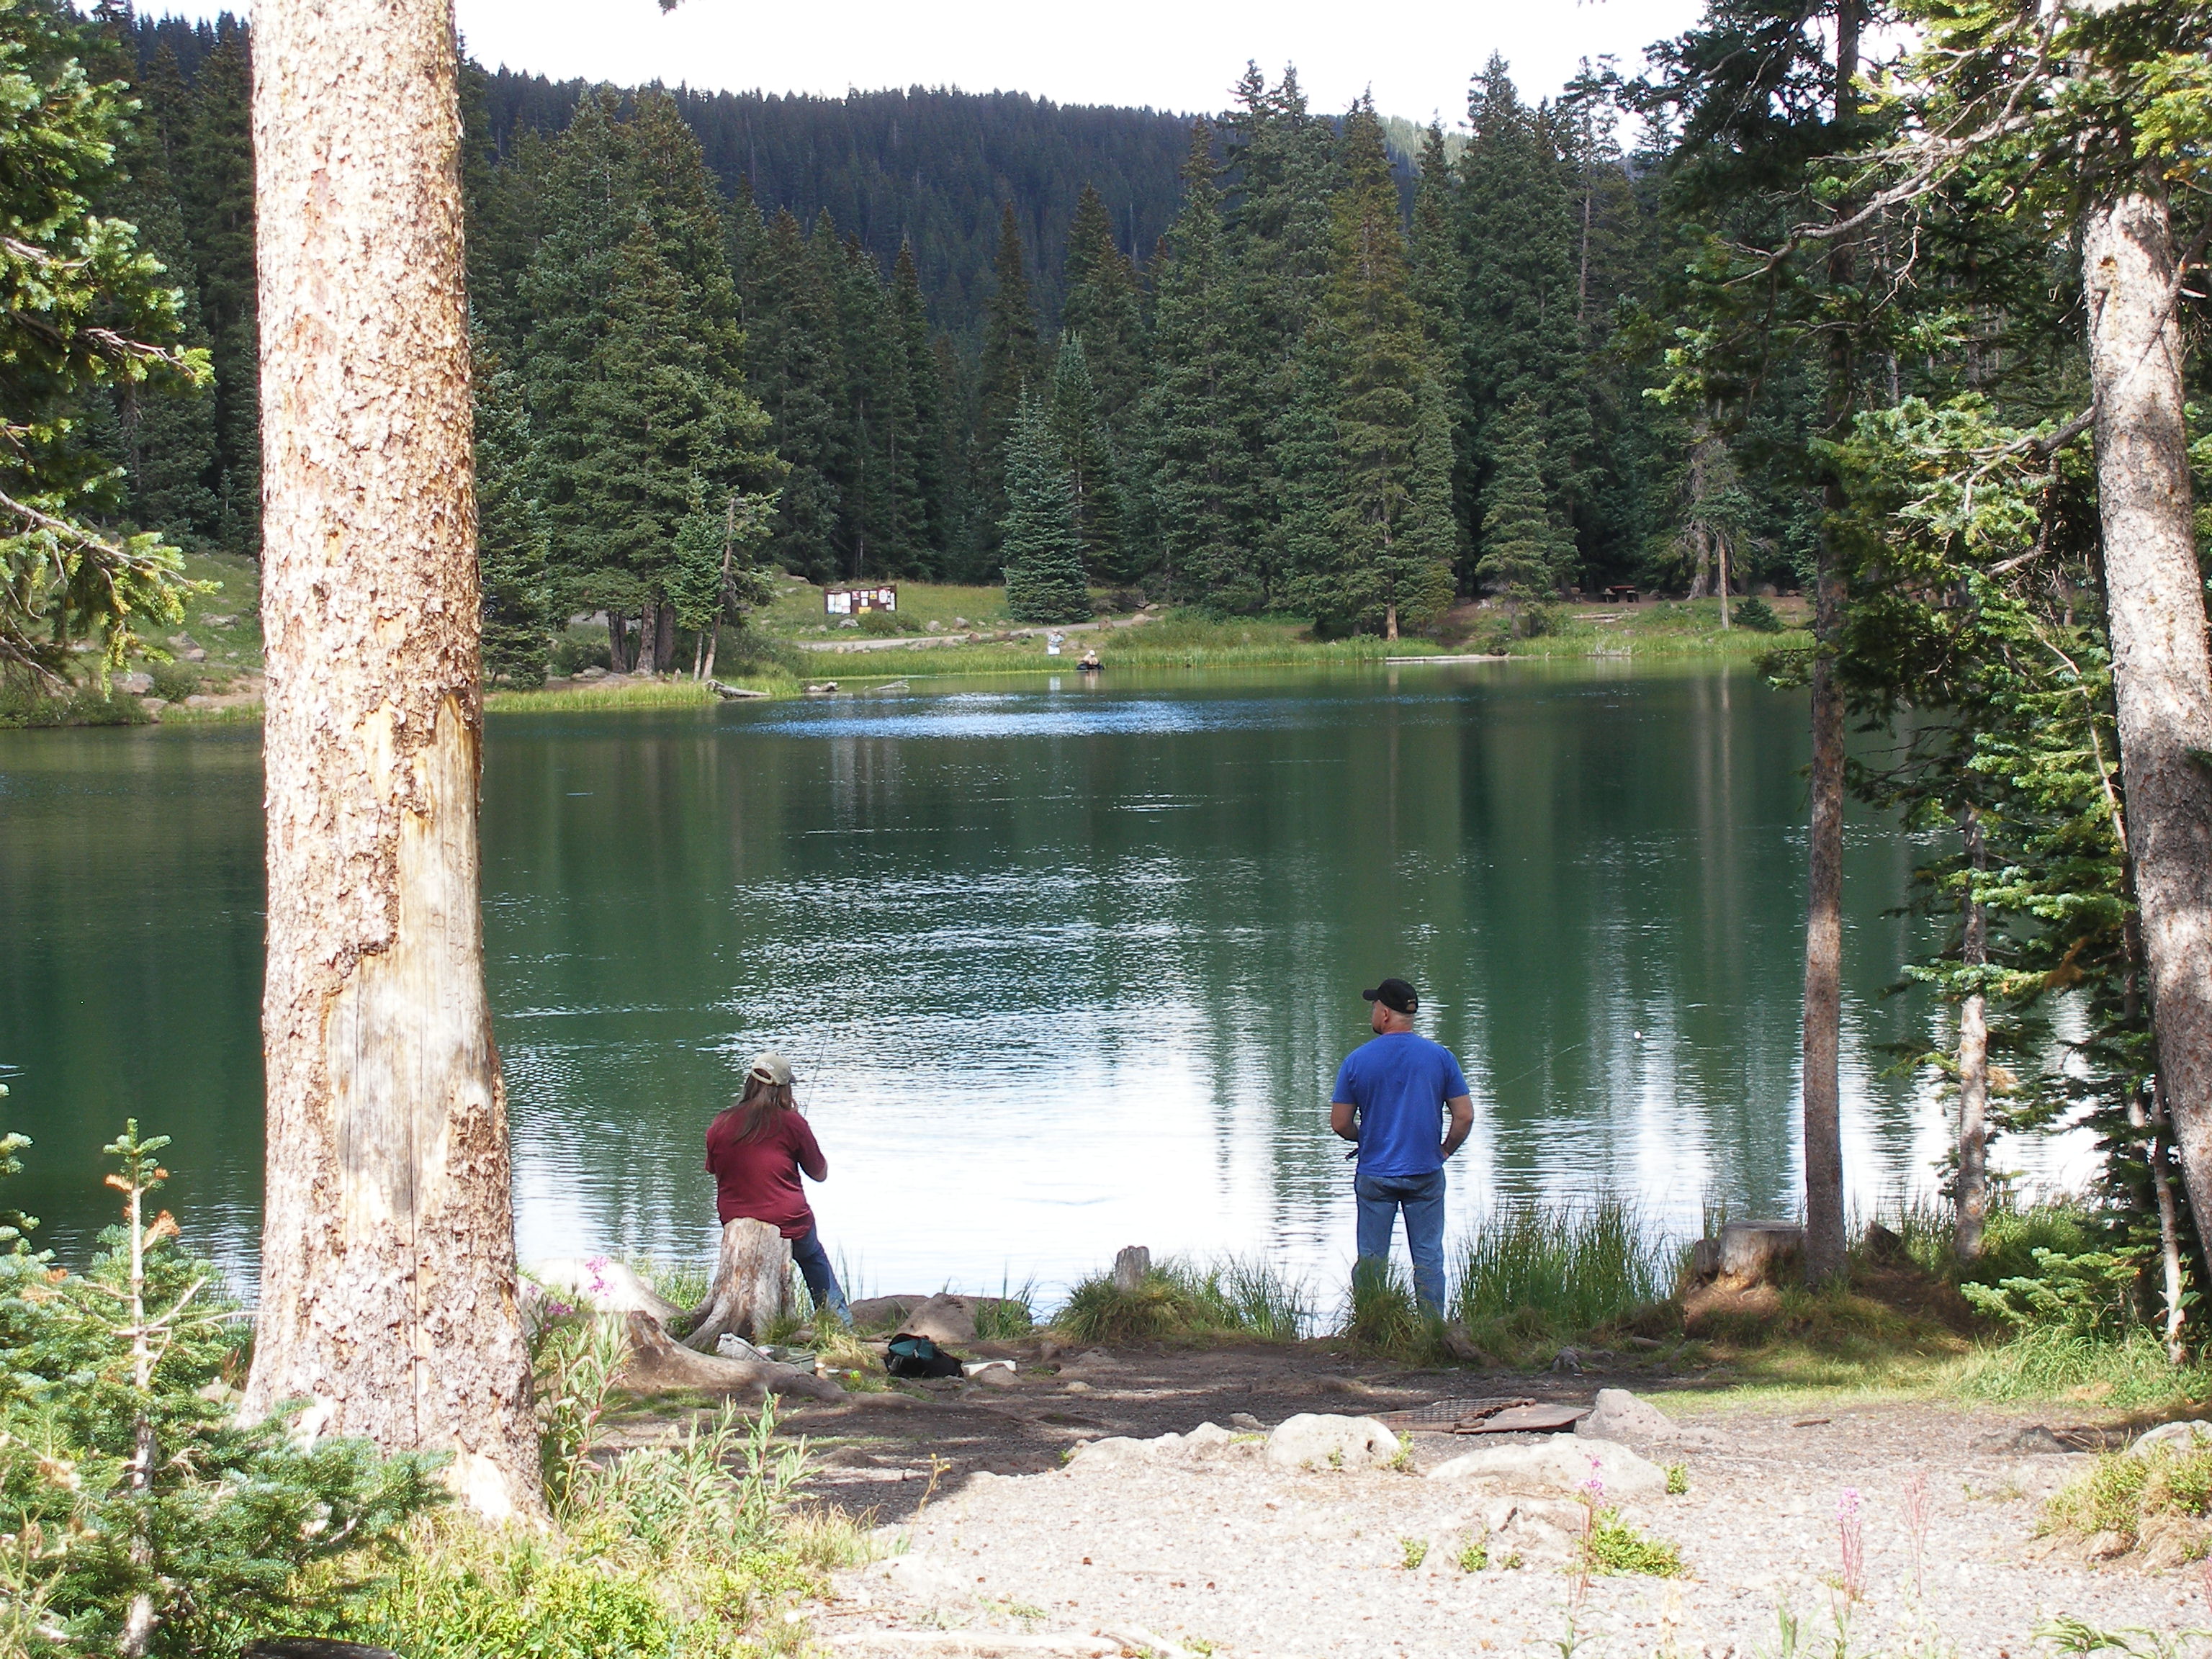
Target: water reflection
[{"x": 1063, "y": 968}]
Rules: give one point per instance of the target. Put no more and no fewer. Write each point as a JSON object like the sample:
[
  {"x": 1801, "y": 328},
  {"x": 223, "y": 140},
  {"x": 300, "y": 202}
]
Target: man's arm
[
  {"x": 1463, "y": 1123},
  {"x": 1340, "y": 1119}
]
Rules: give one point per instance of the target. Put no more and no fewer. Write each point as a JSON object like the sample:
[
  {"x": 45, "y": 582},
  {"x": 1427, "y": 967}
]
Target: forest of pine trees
[{"x": 1342, "y": 383}]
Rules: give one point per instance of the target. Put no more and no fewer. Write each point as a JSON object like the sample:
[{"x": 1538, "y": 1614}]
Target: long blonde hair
[{"x": 762, "y": 1102}]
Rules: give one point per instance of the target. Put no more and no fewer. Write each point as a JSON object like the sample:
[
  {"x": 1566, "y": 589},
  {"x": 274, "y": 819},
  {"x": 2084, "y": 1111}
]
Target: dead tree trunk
[
  {"x": 387, "y": 1287},
  {"x": 1974, "y": 1195},
  {"x": 752, "y": 1285},
  {"x": 2162, "y": 677}
]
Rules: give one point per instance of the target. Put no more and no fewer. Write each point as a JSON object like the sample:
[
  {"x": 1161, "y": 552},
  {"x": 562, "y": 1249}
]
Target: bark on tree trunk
[
  {"x": 2162, "y": 677},
  {"x": 752, "y": 1285},
  {"x": 388, "y": 1286},
  {"x": 1973, "y": 1197},
  {"x": 663, "y": 637},
  {"x": 1823, "y": 883},
  {"x": 1390, "y": 621}
]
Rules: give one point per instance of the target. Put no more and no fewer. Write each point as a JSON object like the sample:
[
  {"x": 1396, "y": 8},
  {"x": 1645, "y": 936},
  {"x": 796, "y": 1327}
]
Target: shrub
[
  {"x": 579, "y": 648},
  {"x": 1758, "y": 615},
  {"x": 210, "y": 1539},
  {"x": 2166, "y": 1491}
]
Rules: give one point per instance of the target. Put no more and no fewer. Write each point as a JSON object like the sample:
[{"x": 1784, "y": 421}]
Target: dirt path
[{"x": 1225, "y": 1551}]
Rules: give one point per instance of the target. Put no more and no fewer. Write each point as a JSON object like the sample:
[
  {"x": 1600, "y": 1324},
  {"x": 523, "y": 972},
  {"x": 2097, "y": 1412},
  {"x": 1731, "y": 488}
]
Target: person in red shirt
[{"x": 756, "y": 1149}]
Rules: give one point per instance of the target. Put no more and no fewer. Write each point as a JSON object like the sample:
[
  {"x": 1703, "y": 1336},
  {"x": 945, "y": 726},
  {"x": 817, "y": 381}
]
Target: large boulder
[
  {"x": 1311, "y": 1440},
  {"x": 946, "y": 1320},
  {"x": 601, "y": 1285},
  {"x": 1567, "y": 1464}
]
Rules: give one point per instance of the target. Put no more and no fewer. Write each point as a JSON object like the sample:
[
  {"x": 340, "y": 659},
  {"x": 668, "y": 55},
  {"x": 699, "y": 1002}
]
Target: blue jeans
[
  {"x": 821, "y": 1278},
  {"x": 1422, "y": 1199}
]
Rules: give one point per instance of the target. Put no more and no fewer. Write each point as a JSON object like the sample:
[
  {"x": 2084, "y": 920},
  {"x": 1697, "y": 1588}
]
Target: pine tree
[
  {"x": 800, "y": 378},
  {"x": 1522, "y": 337},
  {"x": 1202, "y": 487},
  {"x": 922, "y": 514},
  {"x": 1523, "y": 551},
  {"x": 164, "y": 436},
  {"x": 1380, "y": 358},
  {"x": 514, "y": 571},
  {"x": 1044, "y": 554},
  {"x": 1308, "y": 483},
  {"x": 1084, "y": 449},
  {"x": 1013, "y": 363},
  {"x": 212, "y": 166},
  {"x": 1105, "y": 307}
]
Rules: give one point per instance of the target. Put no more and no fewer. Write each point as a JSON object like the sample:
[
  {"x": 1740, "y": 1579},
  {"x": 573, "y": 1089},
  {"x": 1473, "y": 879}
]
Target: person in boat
[
  {"x": 1392, "y": 1096},
  {"x": 1089, "y": 663},
  {"x": 758, "y": 1147}
]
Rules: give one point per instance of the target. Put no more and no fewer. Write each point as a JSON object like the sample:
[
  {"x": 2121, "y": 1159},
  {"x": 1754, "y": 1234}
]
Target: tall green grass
[{"x": 1533, "y": 1272}]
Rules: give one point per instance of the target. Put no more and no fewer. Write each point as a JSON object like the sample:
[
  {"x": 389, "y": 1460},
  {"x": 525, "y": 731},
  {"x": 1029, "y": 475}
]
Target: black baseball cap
[{"x": 1394, "y": 993}]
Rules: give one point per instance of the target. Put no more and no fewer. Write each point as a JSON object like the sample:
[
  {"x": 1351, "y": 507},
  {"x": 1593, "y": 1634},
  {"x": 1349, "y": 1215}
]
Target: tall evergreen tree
[
  {"x": 1523, "y": 551},
  {"x": 1202, "y": 485},
  {"x": 923, "y": 515},
  {"x": 799, "y": 376},
  {"x": 1521, "y": 339},
  {"x": 1012, "y": 366},
  {"x": 1083, "y": 447},
  {"x": 1044, "y": 554},
  {"x": 212, "y": 166},
  {"x": 163, "y": 437},
  {"x": 1105, "y": 307},
  {"x": 1381, "y": 366}
]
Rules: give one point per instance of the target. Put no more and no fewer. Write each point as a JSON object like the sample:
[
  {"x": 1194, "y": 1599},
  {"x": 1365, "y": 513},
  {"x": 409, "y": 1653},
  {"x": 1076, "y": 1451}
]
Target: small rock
[
  {"x": 933, "y": 626},
  {"x": 133, "y": 684},
  {"x": 1567, "y": 1363},
  {"x": 1311, "y": 1440},
  {"x": 180, "y": 641},
  {"x": 592, "y": 673},
  {"x": 2173, "y": 1437},
  {"x": 194, "y": 655},
  {"x": 1078, "y": 1387},
  {"x": 1246, "y": 1421},
  {"x": 219, "y": 621},
  {"x": 1562, "y": 1465},
  {"x": 156, "y": 705},
  {"x": 1464, "y": 1348},
  {"x": 731, "y": 1346},
  {"x": 2038, "y": 1442}
]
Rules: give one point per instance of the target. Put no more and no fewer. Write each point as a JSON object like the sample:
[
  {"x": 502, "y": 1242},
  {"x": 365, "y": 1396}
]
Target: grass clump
[
  {"x": 2158, "y": 1501},
  {"x": 1613, "y": 1546},
  {"x": 1229, "y": 1297},
  {"x": 1412, "y": 1552},
  {"x": 1383, "y": 1316}
]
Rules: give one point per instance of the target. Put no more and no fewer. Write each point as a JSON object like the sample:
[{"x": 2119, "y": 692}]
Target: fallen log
[
  {"x": 659, "y": 1365},
  {"x": 752, "y": 1287}
]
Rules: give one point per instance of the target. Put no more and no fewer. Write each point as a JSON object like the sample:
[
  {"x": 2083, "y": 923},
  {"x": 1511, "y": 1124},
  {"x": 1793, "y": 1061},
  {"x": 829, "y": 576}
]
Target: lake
[{"x": 1062, "y": 965}]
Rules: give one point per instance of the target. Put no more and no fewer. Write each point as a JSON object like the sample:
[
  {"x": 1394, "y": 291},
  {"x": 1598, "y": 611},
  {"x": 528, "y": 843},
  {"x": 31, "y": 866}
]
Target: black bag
[{"x": 917, "y": 1355}]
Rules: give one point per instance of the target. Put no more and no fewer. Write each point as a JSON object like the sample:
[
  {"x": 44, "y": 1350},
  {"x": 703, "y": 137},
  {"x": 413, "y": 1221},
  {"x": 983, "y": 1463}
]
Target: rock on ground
[
  {"x": 1310, "y": 1440},
  {"x": 1568, "y": 1463}
]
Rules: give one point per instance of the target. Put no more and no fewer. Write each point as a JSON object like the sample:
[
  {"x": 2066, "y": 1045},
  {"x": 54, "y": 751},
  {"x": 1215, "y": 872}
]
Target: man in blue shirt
[{"x": 1391, "y": 1097}]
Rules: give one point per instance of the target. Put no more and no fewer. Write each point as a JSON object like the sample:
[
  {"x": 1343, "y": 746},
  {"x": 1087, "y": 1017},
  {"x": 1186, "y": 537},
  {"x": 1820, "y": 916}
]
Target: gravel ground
[{"x": 1225, "y": 1553}]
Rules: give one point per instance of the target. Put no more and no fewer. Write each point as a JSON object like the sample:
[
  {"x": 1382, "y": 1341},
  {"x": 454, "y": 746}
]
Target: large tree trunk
[
  {"x": 387, "y": 1286},
  {"x": 1824, "y": 881},
  {"x": 2162, "y": 681}
]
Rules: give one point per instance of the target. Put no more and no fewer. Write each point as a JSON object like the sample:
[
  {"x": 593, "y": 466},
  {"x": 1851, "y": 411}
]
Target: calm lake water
[{"x": 1063, "y": 966}]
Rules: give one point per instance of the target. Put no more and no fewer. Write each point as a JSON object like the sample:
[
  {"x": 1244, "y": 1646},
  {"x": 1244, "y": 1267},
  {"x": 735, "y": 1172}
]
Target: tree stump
[
  {"x": 1761, "y": 1253},
  {"x": 1130, "y": 1267},
  {"x": 752, "y": 1285}
]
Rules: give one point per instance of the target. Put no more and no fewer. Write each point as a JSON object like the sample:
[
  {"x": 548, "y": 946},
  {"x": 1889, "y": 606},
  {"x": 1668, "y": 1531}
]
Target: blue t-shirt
[{"x": 1400, "y": 1084}]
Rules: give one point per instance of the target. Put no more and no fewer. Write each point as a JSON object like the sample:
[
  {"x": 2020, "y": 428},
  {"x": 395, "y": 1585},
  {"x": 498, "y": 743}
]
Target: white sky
[{"x": 1168, "y": 54}]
